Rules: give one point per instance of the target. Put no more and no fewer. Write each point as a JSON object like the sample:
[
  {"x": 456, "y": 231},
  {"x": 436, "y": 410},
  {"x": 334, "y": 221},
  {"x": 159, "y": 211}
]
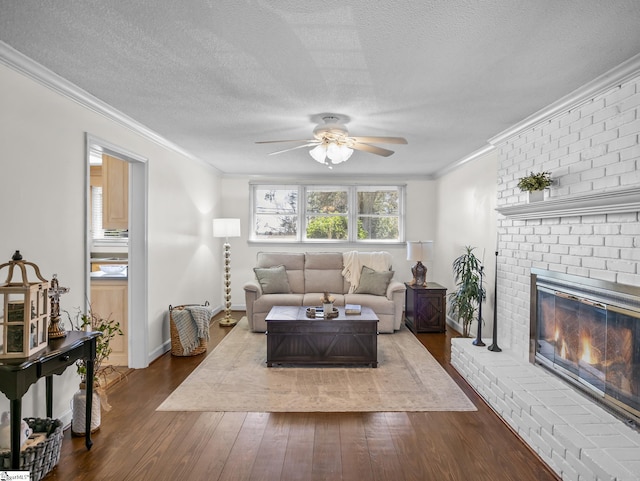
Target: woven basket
[
  {"x": 40, "y": 458},
  {"x": 176, "y": 345}
]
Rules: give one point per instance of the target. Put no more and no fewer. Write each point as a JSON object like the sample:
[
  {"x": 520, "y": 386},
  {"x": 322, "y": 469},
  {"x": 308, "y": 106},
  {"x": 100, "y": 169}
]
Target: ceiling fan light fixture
[
  {"x": 319, "y": 153},
  {"x": 338, "y": 153}
]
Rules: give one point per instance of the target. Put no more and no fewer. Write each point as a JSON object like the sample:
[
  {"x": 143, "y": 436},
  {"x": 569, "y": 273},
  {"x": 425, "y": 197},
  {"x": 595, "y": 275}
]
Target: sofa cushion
[
  {"x": 273, "y": 280},
  {"x": 373, "y": 282},
  {"x": 323, "y": 272},
  {"x": 263, "y": 304}
]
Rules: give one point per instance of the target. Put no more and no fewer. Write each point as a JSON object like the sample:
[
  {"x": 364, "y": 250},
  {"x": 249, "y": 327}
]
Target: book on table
[{"x": 353, "y": 309}]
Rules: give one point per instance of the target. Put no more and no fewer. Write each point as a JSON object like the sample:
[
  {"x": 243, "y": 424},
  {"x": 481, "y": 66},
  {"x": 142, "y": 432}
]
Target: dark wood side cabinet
[{"x": 425, "y": 308}]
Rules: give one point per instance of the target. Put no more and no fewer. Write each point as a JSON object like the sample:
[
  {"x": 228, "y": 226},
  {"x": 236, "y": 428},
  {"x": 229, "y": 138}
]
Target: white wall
[
  {"x": 466, "y": 202},
  {"x": 42, "y": 194},
  {"x": 421, "y": 220}
]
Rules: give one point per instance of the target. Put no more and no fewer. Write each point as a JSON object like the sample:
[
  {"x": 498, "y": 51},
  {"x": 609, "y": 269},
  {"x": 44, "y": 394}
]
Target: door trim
[{"x": 138, "y": 344}]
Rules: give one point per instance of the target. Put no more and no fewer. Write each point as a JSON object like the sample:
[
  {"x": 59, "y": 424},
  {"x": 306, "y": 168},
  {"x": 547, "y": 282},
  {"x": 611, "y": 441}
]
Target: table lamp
[{"x": 419, "y": 251}]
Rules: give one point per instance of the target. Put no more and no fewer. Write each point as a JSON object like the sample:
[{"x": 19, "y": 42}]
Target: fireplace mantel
[{"x": 612, "y": 202}]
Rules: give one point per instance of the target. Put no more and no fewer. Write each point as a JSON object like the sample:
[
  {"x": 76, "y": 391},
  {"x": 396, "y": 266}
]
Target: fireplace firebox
[{"x": 588, "y": 332}]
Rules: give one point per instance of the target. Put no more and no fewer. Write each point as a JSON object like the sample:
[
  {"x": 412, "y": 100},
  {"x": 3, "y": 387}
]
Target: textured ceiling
[{"x": 215, "y": 76}]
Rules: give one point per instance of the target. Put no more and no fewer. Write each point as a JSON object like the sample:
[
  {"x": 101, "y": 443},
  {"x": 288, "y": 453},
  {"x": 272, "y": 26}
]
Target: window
[
  {"x": 275, "y": 213},
  {"x": 379, "y": 213},
  {"x": 319, "y": 213}
]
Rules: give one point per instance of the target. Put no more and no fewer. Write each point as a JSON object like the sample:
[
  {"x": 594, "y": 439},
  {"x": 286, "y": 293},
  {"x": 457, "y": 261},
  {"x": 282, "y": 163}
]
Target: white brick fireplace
[{"x": 588, "y": 226}]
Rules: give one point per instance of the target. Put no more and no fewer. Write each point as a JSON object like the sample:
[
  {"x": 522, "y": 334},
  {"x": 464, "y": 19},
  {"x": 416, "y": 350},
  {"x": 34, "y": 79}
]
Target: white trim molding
[{"x": 612, "y": 202}]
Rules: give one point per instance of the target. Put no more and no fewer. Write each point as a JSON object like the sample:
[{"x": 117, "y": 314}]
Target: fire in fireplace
[{"x": 588, "y": 332}]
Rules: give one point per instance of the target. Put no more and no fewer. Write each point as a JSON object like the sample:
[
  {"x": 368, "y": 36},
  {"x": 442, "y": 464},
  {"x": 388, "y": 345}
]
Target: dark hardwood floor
[{"x": 137, "y": 443}]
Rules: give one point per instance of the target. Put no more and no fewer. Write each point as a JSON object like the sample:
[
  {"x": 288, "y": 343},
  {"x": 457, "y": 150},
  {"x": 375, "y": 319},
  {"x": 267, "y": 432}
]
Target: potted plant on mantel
[
  {"x": 468, "y": 293},
  {"x": 535, "y": 184},
  {"x": 109, "y": 328}
]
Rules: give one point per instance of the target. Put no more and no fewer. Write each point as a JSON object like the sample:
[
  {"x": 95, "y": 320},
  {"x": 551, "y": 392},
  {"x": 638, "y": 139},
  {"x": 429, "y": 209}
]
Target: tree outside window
[{"x": 378, "y": 213}]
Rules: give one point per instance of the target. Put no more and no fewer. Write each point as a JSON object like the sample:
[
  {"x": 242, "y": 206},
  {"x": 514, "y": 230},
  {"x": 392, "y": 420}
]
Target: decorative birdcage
[{"x": 24, "y": 311}]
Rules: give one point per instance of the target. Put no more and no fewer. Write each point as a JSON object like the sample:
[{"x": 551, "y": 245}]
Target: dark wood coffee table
[{"x": 293, "y": 338}]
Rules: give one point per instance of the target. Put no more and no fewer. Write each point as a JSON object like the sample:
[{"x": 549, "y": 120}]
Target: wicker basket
[
  {"x": 40, "y": 458},
  {"x": 176, "y": 345}
]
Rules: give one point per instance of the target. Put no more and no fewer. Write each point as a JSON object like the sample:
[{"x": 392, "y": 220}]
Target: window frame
[{"x": 352, "y": 212}]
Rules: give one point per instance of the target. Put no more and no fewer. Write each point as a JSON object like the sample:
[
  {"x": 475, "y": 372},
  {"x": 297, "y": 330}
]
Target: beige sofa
[{"x": 299, "y": 279}]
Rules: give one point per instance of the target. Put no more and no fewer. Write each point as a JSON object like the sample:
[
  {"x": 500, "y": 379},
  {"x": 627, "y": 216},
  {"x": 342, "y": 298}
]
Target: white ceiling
[{"x": 214, "y": 76}]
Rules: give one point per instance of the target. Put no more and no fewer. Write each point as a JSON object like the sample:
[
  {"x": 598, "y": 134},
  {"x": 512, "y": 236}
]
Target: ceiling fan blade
[
  {"x": 381, "y": 140},
  {"x": 277, "y": 141},
  {"x": 372, "y": 149},
  {"x": 310, "y": 144}
]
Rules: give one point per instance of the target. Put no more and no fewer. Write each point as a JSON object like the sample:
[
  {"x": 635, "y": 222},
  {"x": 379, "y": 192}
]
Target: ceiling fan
[{"x": 332, "y": 143}]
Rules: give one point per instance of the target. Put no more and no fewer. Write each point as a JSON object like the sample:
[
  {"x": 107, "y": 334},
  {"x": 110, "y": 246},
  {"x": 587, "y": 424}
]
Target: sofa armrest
[
  {"x": 252, "y": 291},
  {"x": 396, "y": 293},
  {"x": 395, "y": 286},
  {"x": 253, "y": 286}
]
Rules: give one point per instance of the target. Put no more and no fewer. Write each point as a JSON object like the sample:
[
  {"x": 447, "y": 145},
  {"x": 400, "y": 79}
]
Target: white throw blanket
[{"x": 354, "y": 260}]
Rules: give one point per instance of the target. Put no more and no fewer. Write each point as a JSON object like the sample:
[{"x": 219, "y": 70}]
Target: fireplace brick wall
[{"x": 592, "y": 147}]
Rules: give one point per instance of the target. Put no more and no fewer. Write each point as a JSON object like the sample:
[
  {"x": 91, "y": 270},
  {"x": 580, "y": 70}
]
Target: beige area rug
[{"x": 234, "y": 377}]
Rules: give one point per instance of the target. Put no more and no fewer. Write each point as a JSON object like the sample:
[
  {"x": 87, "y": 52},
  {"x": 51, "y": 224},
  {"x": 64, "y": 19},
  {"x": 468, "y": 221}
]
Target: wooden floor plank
[
  {"x": 405, "y": 439},
  {"x": 155, "y": 450},
  {"x": 214, "y": 454},
  {"x": 385, "y": 461},
  {"x": 243, "y": 454},
  {"x": 188, "y": 449},
  {"x": 356, "y": 461},
  {"x": 270, "y": 457},
  {"x": 327, "y": 463},
  {"x": 298, "y": 459}
]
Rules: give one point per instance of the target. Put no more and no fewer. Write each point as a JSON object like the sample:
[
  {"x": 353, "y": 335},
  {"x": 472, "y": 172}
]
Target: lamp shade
[
  {"x": 419, "y": 250},
  {"x": 319, "y": 153},
  {"x": 226, "y": 227}
]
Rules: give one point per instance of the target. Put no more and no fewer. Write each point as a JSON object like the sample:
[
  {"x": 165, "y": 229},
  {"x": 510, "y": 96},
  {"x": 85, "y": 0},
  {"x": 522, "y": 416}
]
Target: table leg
[
  {"x": 89, "y": 387},
  {"x": 49, "y": 385},
  {"x": 16, "y": 420}
]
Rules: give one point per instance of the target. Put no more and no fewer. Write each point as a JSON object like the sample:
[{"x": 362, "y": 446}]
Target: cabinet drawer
[{"x": 57, "y": 364}]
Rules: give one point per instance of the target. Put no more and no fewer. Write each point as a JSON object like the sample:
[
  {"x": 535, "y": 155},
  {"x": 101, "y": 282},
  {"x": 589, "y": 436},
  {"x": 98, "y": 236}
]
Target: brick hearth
[{"x": 576, "y": 437}]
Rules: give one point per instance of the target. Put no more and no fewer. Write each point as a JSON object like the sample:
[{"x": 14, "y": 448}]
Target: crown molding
[
  {"x": 616, "y": 76},
  {"x": 469, "y": 158},
  {"x": 28, "y": 67},
  {"x": 612, "y": 202}
]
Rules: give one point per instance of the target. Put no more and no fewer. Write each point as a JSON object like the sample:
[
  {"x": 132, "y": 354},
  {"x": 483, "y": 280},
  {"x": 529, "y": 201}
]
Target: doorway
[{"x": 135, "y": 246}]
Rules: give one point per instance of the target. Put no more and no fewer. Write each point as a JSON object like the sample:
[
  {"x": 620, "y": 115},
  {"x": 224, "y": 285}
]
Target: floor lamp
[{"x": 227, "y": 228}]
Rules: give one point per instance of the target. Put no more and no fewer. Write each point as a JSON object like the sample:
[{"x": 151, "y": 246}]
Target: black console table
[{"x": 17, "y": 375}]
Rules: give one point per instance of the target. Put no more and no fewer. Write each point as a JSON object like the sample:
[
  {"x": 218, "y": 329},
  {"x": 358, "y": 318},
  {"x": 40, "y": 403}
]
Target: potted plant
[
  {"x": 109, "y": 328},
  {"x": 468, "y": 293},
  {"x": 535, "y": 185}
]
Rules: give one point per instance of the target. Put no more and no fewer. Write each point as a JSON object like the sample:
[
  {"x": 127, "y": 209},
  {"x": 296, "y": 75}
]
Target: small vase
[
  {"x": 536, "y": 195},
  {"x": 327, "y": 309}
]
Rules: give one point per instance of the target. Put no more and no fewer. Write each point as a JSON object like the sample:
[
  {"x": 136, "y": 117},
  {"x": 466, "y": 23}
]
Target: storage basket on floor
[
  {"x": 42, "y": 457},
  {"x": 176, "y": 345}
]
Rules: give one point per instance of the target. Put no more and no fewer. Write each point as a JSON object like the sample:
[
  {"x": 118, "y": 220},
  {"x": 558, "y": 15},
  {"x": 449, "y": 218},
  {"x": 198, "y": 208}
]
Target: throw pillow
[
  {"x": 373, "y": 282},
  {"x": 273, "y": 280}
]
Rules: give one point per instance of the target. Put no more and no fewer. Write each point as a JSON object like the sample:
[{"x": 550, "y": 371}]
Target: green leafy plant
[
  {"x": 468, "y": 293},
  {"x": 531, "y": 182},
  {"x": 109, "y": 328}
]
